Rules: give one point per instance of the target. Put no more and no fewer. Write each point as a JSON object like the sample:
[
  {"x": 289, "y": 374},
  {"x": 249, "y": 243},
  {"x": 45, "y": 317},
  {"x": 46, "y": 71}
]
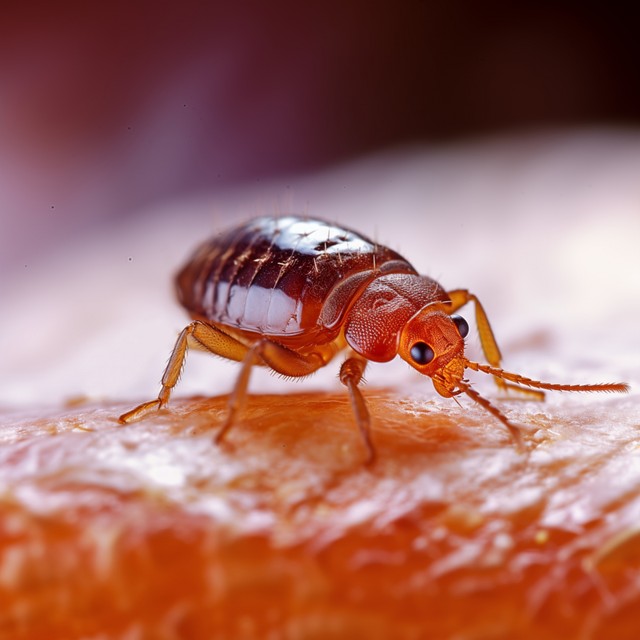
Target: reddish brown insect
[{"x": 289, "y": 293}]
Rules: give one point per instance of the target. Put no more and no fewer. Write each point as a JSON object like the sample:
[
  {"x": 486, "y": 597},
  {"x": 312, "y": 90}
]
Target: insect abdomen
[{"x": 282, "y": 276}]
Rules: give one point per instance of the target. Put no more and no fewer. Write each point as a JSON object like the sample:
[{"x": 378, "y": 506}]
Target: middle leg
[{"x": 274, "y": 356}]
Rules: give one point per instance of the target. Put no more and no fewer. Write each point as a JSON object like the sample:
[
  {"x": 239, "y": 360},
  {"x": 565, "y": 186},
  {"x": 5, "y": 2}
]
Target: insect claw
[{"x": 516, "y": 435}]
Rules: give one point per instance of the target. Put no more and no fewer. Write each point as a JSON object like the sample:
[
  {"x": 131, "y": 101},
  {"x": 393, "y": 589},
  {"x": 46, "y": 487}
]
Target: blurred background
[{"x": 496, "y": 145}]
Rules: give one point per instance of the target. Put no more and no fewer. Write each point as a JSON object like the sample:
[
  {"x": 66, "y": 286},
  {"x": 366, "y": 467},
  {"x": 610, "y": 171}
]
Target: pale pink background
[
  {"x": 483, "y": 142},
  {"x": 544, "y": 229}
]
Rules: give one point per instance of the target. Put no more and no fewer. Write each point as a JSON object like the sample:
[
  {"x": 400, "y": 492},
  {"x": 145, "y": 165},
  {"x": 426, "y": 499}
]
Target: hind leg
[
  {"x": 198, "y": 335},
  {"x": 205, "y": 336}
]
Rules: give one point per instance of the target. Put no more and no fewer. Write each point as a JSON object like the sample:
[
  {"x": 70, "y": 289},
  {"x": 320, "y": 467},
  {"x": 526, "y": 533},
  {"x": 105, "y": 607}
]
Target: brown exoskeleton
[{"x": 290, "y": 293}]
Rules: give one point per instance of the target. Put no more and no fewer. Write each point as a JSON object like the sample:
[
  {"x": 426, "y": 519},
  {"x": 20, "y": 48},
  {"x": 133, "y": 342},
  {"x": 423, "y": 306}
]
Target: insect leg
[
  {"x": 351, "y": 373},
  {"x": 274, "y": 356},
  {"x": 460, "y": 297},
  {"x": 197, "y": 334}
]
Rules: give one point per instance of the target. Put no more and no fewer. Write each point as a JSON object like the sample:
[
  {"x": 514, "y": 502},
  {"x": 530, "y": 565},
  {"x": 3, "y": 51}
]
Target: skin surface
[{"x": 149, "y": 528}]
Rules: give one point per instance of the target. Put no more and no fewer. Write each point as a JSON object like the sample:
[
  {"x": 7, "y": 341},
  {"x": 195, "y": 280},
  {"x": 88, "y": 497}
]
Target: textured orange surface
[{"x": 151, "y": 531}]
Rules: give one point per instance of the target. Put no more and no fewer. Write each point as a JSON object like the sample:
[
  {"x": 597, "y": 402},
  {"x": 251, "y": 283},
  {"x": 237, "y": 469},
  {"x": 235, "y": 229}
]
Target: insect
[{"x": 290, "y": 293}]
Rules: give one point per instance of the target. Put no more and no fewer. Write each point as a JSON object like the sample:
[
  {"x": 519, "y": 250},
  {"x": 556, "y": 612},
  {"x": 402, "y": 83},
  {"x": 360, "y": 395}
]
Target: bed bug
[{"x": 290, "y": 293}]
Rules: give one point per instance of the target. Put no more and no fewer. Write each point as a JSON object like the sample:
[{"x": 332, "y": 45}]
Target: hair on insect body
[{"x": 291, "y": 293}]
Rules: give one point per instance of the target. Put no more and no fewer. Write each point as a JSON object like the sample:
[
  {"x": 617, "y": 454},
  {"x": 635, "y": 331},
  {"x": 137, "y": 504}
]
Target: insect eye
[
  {"x": 422, "y": 353},
  {"x": 461, "y": 323}
]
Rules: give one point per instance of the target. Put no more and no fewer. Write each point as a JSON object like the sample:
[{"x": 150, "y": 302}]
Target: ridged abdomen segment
[{"x": 282, "y": 276}]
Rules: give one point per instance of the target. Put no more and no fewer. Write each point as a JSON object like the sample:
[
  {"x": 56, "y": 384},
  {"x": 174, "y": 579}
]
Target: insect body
[{"x": 290, "y": 293}]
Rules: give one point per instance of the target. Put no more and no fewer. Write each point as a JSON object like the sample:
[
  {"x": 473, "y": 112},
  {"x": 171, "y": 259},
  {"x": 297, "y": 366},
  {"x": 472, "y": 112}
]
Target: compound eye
[
  {"x": 422, "y": 353},
  {"x": 463, "y": 326}
]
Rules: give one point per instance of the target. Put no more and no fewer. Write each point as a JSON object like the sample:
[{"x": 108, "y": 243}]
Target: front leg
[
  {"x": 459, "y": 298},
  {"x": 351, "y": 373}
]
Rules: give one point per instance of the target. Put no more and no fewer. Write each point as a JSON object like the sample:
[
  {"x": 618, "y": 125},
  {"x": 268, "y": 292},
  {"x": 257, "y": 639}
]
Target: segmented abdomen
[{"x": 282, "y": 276}]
